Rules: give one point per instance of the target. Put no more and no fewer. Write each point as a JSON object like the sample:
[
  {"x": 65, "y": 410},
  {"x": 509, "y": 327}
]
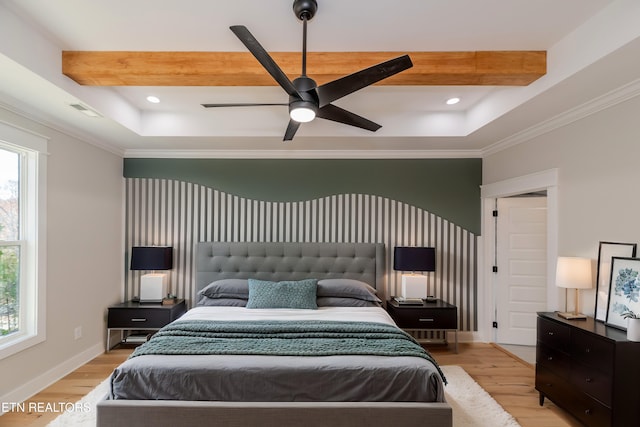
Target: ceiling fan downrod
[{"x": 304, "y": 11}]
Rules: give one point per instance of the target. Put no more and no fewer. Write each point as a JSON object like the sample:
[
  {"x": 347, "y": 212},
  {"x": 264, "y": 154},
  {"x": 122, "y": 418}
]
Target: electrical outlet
[{"x": 77, "y": 332}]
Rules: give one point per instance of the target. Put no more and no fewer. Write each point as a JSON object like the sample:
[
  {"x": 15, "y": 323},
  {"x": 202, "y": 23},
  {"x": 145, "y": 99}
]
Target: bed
[{"x": 290, "y": 387}]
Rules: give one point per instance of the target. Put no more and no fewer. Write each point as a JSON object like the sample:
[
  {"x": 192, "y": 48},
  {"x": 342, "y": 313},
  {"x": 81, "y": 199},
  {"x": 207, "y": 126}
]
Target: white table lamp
[
  {"x": 153, "y": 286},
  {"x": 573, "y": 273},
  {"x": 414, "y": 259}
]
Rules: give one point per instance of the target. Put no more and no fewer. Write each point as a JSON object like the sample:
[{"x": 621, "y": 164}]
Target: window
[
  {"x": 10, "y": 243},
  {"x": 22, "y": 239}
]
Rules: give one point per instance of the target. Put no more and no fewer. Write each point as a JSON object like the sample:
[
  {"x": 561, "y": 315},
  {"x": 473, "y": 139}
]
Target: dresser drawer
[
  {"x": 554, "y": 360},
  {"x": 551, "y": 385},
  {"x": 138, "y": 318},
  {"x": 591, "y": 412},
  {"x": 592, "y": 351},
  {"x": 426, "y": 318},
  {"x": 553, "y": 334},
  {"x": 592, "y": 381}
]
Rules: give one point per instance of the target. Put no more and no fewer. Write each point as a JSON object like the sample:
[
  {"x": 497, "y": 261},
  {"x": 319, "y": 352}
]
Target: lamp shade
[
  {"x": 151, "y": 258},
  {"x": 413, "y": 258},
  {"x": 573, "y": 272}
]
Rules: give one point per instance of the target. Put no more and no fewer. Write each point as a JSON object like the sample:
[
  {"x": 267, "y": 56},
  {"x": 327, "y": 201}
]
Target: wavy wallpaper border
[{"x": 180, "y": 214}]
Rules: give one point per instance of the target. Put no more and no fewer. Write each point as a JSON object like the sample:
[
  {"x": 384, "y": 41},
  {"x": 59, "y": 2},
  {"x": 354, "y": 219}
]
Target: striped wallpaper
[{"x": 180, "y": 214}]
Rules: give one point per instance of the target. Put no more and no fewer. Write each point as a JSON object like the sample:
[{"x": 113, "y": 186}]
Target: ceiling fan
[{"x": 307, "y": 100}]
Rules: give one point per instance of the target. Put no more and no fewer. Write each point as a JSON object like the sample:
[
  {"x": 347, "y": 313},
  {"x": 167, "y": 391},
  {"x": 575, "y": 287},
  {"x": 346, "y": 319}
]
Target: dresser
[{"x": 590, "y": 370}]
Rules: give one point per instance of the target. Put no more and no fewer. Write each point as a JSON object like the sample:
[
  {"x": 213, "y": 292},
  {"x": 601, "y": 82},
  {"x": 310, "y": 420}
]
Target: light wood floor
[{"x": 508, "y": 379}]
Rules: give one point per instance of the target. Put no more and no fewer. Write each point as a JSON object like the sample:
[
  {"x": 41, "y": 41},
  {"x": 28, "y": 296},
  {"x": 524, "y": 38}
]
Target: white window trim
[{"x": 34, "y": 189}]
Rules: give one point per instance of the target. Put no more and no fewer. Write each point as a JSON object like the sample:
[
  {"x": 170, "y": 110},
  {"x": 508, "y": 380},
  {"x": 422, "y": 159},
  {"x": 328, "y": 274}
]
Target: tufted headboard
[{"x": 290, "y": 261}]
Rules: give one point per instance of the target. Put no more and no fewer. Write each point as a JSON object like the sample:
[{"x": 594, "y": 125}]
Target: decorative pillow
[
  {"x": 347, "y": 288},
  {"x": 221, "y": 302},
  {"x": 227, "y": 288},
  {"x": 344, "y": 302},
  {"x": 286, "y": 294}
]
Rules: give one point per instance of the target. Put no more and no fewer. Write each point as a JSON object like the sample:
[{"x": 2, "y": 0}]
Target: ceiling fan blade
[
  {"x": 337, "y": 114},
  {"x": 292, "y": 128},
  {"x": 263, "y": 57},
  {"x": 336, "y": 89},
  {"x": 239, "y": 105}
]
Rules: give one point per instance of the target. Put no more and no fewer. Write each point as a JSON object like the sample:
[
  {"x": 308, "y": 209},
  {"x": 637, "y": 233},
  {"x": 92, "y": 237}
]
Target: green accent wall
[{"x": 449, "y": 188}]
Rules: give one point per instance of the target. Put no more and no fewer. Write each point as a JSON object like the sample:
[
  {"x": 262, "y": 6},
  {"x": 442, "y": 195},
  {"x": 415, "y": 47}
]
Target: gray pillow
[
  {"x": 221, "y": 302},
  {"x": 347, "y": 288},
  {"x": 344, "y": 302},
  {"x": 285, "y": 294},
  {"x": 227, "y": 288}
]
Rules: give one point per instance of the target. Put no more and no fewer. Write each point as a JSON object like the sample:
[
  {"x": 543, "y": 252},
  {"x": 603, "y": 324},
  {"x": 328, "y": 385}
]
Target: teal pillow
[{"x": 286, "y": 294}]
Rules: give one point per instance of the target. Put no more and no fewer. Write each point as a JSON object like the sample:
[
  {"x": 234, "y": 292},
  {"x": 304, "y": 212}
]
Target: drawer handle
[
  {"x": 139, "y": 319},
  {"x": 426, "y": 320},
  {"x": 588, "y": 380},
  {"x": 587, "y": 350},
  {"x": 587, "y": 412},
  {"x": 550, "y": 358},
  {"x": 550, "y": 333}
]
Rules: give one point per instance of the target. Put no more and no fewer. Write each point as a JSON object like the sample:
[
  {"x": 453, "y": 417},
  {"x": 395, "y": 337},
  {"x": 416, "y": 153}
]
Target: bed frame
[{"x": 280, "y": 261}]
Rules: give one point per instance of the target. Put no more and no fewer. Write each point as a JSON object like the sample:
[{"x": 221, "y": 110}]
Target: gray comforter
[{"x": 279, "y": 361}]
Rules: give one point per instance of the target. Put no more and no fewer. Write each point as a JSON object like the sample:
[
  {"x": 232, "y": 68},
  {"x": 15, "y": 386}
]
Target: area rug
[{"x": 472, "y": 405}]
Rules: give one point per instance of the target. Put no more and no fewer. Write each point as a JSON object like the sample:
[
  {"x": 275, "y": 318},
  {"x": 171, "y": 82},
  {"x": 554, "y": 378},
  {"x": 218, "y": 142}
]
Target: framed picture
[
  {"x": 606, "y": 251},
  {"x": 624, "y": 294}
]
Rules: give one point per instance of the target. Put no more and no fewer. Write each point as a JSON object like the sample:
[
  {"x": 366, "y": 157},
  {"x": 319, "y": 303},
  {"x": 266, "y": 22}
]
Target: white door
[{"x": 521, "y": 280}]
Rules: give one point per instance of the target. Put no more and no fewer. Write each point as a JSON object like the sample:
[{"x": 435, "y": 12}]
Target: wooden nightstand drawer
[
  {"x": 424, "y": 318},
  {"x": 138, "y": 318}
]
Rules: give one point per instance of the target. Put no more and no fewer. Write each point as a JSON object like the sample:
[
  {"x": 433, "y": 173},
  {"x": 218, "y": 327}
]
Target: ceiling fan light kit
[
  {"x": 302, "y": 112},
  {"x": 307, "y": 100}
]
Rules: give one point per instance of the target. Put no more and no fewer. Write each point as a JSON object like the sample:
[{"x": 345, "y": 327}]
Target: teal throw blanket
[{"x": 283, "y": 338}]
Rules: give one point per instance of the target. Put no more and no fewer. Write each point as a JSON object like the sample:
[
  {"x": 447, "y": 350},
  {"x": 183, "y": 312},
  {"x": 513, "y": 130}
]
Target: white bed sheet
[{"x": 353, "y": 314}]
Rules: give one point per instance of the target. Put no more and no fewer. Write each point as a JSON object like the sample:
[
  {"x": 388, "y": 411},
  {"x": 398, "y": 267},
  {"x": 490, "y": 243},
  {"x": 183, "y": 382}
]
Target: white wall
[
  {"x": 84, "y": 259},
  {"x": 598, "y": 161}
]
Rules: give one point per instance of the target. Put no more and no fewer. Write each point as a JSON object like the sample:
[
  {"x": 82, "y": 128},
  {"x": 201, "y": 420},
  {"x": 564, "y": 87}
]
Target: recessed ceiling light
[
  {"x": 153, "y": 99},
  {"x": 452, "y": 101}
]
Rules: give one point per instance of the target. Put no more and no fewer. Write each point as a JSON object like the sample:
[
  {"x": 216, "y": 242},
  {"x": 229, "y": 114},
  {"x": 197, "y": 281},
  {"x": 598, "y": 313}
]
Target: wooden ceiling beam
[{"x": 107, "y": 68}]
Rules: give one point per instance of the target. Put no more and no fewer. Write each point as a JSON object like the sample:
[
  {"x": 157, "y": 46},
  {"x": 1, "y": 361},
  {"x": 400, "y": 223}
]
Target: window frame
[{"x": 32, "y": 149}]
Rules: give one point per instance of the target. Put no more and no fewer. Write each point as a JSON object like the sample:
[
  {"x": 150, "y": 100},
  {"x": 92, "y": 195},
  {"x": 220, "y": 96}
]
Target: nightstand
[
  {"x": 430, "y": 316},
  {"x": 135, "y": 316}
]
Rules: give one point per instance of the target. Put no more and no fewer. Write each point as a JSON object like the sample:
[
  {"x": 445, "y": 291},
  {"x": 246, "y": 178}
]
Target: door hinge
[
  {"x": 495, "y": 269},
  {"x": 495, "y": 212},
  {"x": 495, "y": 325}
]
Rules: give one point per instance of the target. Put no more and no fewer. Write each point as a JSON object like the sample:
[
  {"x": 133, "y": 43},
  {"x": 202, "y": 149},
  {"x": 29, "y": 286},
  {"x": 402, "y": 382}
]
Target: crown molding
[
  {"x": 38, "y": 118},
  {"x": 608, "y": 100},
  {"x": 304, "y": 154}
]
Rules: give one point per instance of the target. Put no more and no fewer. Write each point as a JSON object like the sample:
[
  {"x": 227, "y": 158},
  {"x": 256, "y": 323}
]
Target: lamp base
[
  {"x": 414, "y": 286},
  {"x": 571, "y": 316},
  {"x": 153, "y": 287}
]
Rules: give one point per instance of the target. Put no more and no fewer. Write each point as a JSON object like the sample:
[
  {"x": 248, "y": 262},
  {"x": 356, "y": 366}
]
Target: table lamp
[
  {"x": 573, "y": 273},
  {"x": 414, "y": 258},
  {"x": 153, "y": 286}
]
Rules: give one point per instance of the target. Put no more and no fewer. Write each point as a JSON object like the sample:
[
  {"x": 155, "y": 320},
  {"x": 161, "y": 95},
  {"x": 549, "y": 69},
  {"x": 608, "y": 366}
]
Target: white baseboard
[{"x": 54, "y": 374}]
